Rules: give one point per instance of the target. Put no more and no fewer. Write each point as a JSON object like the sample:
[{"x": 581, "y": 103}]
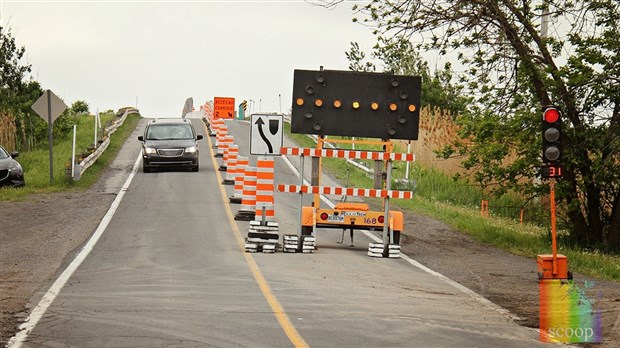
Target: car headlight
[
  {"x": 150, "y": 150},
  {"x": 191, "y": 149},
  {"x": 15, "y": 167}
]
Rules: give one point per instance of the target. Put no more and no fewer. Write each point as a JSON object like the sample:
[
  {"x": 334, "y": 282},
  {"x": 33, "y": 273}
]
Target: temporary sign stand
[{"x": 354, "y": 104}]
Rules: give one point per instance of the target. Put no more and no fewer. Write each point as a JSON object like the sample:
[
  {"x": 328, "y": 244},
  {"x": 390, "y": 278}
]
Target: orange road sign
[{"x": 223, "y": 107}]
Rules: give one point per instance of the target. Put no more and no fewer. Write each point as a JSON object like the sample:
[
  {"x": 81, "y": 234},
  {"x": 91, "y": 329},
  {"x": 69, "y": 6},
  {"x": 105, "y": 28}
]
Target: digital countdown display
[{"x": 551, "y": 171}]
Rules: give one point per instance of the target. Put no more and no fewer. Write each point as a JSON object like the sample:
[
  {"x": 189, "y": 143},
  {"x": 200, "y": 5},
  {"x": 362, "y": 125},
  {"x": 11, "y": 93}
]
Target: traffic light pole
[{"x": 553, "y": 230}]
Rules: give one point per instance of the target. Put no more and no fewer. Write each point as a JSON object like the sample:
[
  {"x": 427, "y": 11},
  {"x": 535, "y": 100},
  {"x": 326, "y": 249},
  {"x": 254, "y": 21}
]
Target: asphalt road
[{"x": 170, "y": 271}]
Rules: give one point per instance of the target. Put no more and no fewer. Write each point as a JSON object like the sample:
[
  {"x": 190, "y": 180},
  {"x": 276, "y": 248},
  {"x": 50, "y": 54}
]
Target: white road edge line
[
  {"x": 418, "y": 265},
  {"x": 37, "y": 313}
]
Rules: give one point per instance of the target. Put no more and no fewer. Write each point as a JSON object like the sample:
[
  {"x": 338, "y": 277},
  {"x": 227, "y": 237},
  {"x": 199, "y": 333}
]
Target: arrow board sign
[{"x": 266, "y": 133}]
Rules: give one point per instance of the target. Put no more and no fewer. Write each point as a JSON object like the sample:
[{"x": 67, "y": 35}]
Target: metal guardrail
[{"x": 92, "y": 158}]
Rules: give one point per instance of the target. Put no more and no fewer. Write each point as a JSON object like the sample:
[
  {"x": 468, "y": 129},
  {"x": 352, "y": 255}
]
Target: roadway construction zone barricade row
[
  {"x": 242, "y": 163},
  {"x": 253, "y": 188}
]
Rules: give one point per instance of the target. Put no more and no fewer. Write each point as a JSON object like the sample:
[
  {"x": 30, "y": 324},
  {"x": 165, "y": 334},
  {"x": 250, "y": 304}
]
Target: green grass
[
  {"x": 437, "y": 196},
  {"x": 36, "y": 162}
]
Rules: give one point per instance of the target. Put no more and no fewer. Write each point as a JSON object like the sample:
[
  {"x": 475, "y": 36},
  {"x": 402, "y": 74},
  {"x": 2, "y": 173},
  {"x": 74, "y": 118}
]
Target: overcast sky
[{"x": 112, "y": 53}]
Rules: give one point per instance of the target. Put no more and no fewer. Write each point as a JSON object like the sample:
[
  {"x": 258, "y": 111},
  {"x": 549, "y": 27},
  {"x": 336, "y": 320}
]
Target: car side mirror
[
  {"x": 199, "y": 136},
  {"x": 14, "y": 154},
  {"x": 141, "y": 138}
]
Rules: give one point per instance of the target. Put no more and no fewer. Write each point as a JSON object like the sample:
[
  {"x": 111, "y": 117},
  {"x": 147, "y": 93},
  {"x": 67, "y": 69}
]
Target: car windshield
[
  {"x": 3, "y": 154},
  {"x": 169, "y": 132}
]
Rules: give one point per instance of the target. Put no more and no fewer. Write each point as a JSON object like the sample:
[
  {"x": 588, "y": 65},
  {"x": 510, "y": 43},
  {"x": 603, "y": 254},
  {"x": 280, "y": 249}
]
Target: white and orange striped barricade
[
  {"x": 248, "y": 200},
  {"x": 231, "y": 165},
  {"x": 345, "y": 191},
  {"x": 386, "y": 194},
  {"x": 349, "y": 154},
  {"x": 265, "y": 202},
  {"x": 242, "y": 163}
]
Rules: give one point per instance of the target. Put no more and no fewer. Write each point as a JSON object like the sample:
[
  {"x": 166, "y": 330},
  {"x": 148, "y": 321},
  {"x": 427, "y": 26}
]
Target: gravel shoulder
[{"x": 39, "y": 235}]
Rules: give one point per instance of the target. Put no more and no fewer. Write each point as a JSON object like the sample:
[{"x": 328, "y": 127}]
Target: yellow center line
[{"x": 290, "y": 331}]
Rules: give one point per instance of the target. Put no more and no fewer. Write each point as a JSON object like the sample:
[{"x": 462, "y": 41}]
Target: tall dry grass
[
  {"x": 7, "y": 131},
  {"x": 436, "y": 130}
]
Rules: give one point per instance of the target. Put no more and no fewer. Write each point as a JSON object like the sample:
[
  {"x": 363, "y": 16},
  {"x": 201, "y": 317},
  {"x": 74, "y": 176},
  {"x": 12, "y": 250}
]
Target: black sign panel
[{"x": 359, "y": 104}]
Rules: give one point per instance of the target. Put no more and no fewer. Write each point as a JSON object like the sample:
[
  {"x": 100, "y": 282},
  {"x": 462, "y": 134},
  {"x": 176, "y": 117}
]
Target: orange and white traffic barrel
[
  {"x": 225, "y": 141},
  {"x": 265, "y": 203},
  {"x": 242, "y": 163},
  {"x": 248, "y": 198},
  {"x": 231, "y": 164}
]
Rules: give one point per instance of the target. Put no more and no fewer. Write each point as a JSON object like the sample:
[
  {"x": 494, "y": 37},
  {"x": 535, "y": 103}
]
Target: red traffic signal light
[
  {"x": 552, "y": 134},
  {"x": 551, "y": 115}
]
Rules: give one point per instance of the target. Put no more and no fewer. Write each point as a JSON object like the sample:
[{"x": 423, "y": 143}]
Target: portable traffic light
[
  {"x": 359, "y": 104},
  {"x": 552, "y": 135}
]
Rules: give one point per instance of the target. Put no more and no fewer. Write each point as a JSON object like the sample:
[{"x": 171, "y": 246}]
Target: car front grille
[
  {"x": 170, "y": 152},
  {"x": 4, "y": 173}
]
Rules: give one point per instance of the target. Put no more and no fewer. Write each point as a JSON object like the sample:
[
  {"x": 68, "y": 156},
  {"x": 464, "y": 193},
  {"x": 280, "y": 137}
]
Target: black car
[
  {"x": 11, "y": 172},
  {"x": 169, "y": 143}
]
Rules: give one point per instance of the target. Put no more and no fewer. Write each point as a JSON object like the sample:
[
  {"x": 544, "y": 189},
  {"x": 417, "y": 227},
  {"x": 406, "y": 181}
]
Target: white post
[
  {"x": 407, "y": 167},
  {"x": 73, "y": 153},
  {"x": 96, "y": 117}
]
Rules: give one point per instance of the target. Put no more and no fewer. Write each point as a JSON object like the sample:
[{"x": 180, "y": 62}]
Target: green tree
[
  {"x": 400, "y": 57},
  {"x": 79, "y": 107},
  {"x": 512, "y": 70},
  {"x": 12, "y": 71},
  {"x": 17, "y": 93}
]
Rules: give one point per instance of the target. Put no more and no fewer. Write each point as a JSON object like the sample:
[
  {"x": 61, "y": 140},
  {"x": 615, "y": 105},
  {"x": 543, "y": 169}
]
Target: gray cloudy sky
[{"x": 109, "y": 53}]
